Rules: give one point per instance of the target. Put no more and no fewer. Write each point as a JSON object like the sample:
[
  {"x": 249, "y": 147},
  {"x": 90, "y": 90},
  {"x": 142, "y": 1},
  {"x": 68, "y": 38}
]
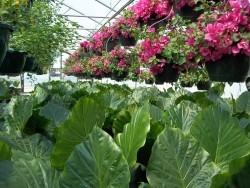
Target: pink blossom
[
  {"x": 235, "y": 50},
  {"x": 243, "y": 44}
]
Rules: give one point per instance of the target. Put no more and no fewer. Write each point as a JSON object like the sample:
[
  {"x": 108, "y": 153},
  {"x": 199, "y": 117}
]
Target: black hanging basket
[
  {"x": 29, "y": 64},
  {"x": 229, "y": 68},
  {"x": 204, "y": 85},
  {"x": 5, "y": 31},
  {"x": 248, "y": 83},
  {"x": 168, "y": 75},
  {"x": 109, "y": 45},
  {"x": 188, "y": 13},
  {"x": 130, "y": 41},
  {"x": 13, "y": 63},
  {"x": 187, "y": 84},
  {"x": 156, "y": 23}
]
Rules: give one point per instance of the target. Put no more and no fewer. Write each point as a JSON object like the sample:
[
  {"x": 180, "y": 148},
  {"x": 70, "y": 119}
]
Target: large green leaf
[
  {"x": 17, "y": 112},
  {"x": 5, "y": 152},
  {"x": 56, "y": 112},
  {"x": 39, "y": 95},
  {"x": 124, "y": 117},
  {"x": 134, "y": 134},
  {"x": 243, "y": 102},
  {"x": 85, "y": 115},
  {"x": 182, "y": 116},
  {"x": 28, "y": 174},
  {"x": 178, "y": 160},
  {"x": 29, "y": 147},
  {"x": 221, "y": 135},
  {"x": 97, "y": 162},
  {"x": 111, "y": 99}
]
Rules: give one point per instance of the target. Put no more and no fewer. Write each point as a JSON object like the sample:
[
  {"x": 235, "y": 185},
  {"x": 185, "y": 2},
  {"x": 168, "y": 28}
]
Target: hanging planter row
[
  {"x": 169, "y": 44},
  {"x": 16, "y": 63}
]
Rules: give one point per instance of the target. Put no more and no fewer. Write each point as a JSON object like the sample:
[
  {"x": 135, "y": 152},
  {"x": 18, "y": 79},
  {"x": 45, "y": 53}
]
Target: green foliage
[
  {"x": 42, "y": 27},
  {"x": 86, "y": 114},
  {"x": 101, "y": 162},
  {"x": 134, "y": 134},
  {"x": 179, "y": 160},
  {"x": 111, "y": 136}
]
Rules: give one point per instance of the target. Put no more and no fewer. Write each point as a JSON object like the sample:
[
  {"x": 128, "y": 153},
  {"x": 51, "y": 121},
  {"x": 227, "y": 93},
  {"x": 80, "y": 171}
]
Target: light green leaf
[
  {"x": 178, "y": 160},
  {"x": 123, "y": 117},
  {"x": 56, "y": 112},
  {"x": 134, "y": 134},
  {"x": 182, "y": 116},
  {"x": 85, "y": 115},
  {"x": 28, "y": 174},
  {"x": 18, "y": 112},
  {"x": 111, "y": 99},
  {"x": 221, "y": 135},
  {"x": 5, "y": 152},
  {"x": 243, "y": 102},
  {"x": 97, "y": 162},
  {"x": 35, "y": 146}
]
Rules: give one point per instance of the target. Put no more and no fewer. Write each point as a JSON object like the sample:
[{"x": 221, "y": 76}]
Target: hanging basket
[
  {"x": 204, "y": 85},
  {"x": 188, "y": 13},
  {"x": 187, "y": 84},
  {"x": 5, "y": 31},
  {"x": 119, "y": 76},
  {"x": 168, "y": 75},
  {"x": 130, "y": 41},
  {"x": 109, "y": 45},
  {"x": 154, "y": 23},
  {"x": 229, "y": 68},
  {"x": 29, "y": 64},
  {"x": 248, "y": 83},
  {"x": 13, "y": 63}
]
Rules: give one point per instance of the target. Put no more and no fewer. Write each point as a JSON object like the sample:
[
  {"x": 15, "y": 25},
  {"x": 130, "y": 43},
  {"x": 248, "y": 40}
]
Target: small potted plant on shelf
[{"x": 225, "y": 41}]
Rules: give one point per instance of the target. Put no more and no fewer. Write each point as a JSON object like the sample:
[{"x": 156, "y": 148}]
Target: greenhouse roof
[{"x": 91, "y": 15}]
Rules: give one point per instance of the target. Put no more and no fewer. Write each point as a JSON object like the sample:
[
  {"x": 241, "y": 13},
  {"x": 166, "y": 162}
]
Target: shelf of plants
[{"x": 89, "y": 134}]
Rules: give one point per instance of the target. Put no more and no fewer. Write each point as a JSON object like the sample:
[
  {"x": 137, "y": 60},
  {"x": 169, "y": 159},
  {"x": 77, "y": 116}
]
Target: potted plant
[
  {"x": 191, "y": 9},
  {"x": 153, "y": 13},
  {"x": 225, "y": 41},
  {"x": 127, "y": 28},
  {"x": 13, "y": 63}
]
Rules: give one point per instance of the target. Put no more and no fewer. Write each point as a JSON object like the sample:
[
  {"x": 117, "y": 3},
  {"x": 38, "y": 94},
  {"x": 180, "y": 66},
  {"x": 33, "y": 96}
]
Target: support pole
[
  {"x": 22, "y": 82},
  {"x": 61, "y": 67}
]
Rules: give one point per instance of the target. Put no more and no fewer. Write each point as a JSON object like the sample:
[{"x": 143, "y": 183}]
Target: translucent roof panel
[{"x": 90, "y": 14}]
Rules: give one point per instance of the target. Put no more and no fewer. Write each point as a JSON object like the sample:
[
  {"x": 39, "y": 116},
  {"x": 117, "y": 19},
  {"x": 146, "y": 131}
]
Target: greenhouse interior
[{"x": 124, "y": 93}]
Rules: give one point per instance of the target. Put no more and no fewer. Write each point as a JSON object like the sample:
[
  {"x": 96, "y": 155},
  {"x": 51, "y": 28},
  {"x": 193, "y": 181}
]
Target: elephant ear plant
[{"x": 48, "y": 33}]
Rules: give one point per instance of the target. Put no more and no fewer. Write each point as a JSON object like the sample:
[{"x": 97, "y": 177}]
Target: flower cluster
[
  {"x": 227, "y": 32},
  {"x": 146, "y": 9}
]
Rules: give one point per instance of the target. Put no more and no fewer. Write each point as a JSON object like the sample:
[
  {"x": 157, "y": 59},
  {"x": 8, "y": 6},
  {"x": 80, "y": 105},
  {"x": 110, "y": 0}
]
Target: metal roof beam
[
  {"x": 104, "y": 17},
  {"x": 105, "y": 5},
  {"x": 79, "y": 12},
  {"x": 118, "y": 12}
]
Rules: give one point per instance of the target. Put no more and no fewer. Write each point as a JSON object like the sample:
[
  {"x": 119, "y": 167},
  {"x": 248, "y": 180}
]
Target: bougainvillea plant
[{"x": 226, "y": 30}]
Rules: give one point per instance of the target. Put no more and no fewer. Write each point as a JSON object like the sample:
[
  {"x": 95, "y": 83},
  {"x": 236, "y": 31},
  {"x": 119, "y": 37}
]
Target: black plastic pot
[
  {"x": 204, "y": 85},
  {"x": 29, "y": 64},
  {"x": 119, "y": 76},
  {"x": 229, "y": 68},
  {"x": 169, "y": 74},
  {"x": 13, "y": 63},
  {"x": 109, "y": 45},
  {"x": 5, "y": 31},
  {"x": 248, "y": 83},
  {"x": 188, "y": 13},
  {"x": 187, "y": 84},
  {"x": 130, "y": 41},
  {"x": 149, "y": 82}
]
